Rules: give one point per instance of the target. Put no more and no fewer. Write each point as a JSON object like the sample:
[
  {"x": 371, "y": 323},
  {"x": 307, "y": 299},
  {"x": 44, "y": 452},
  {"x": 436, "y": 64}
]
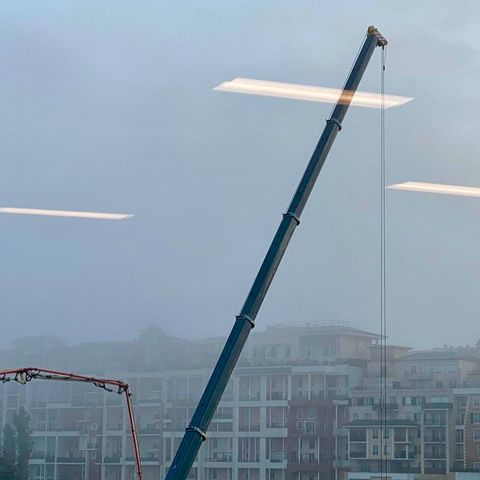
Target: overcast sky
[{"x": 108, "y": 106}]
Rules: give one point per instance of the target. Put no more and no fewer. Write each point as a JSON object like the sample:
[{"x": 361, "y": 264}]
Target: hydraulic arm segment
[
  {"x": 195, "y": 433},
  {"x": 25, "y": 375}
]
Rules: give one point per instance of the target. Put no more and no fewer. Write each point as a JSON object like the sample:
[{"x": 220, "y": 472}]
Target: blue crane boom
[{"x": 195, "y": 433}]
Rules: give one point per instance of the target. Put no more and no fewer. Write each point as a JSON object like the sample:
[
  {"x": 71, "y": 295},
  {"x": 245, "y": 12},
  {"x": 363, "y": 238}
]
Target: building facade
[{"x": 303, "y": 404}]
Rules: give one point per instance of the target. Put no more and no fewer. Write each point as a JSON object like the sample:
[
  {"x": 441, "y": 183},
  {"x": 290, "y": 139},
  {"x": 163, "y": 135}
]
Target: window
[
  {"x": 374, "y": 449},
  {"x": 310, "y": 427},
  {"x": 249, "y": 388},
  {"x": 451, "y": 368},
  {"x": 476, "y": 400},
  {"x": 249, "y": 419},
  {"x": 438, "y": 368},
  {"x": 277, "y": 387},
  {"x": 441, "y": 399},
  {"x": 476, "y": 434},
  {"x": 375, "y": 433},
  {"x": 475, "y": 417},
  {"x": 248, "y": 449},
  {"x": 277, "y": 417}
]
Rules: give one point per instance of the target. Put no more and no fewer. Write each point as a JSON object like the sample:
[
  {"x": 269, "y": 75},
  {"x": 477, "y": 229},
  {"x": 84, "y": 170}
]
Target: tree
[
  {"x": 9, "y": 453},
  {"x": 21, "y": 421}
]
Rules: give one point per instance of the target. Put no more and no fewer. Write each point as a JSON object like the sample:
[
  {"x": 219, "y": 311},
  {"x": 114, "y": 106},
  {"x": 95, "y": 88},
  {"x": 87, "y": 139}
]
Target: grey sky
[{"x": 107, "y": 106}]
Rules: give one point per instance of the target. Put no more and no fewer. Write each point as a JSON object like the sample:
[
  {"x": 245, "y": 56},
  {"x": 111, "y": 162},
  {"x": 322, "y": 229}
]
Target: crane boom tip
[{"x": 381, "y": 40}]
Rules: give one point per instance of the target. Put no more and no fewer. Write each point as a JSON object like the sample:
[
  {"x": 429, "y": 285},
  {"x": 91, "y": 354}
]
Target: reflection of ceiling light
[
  {"x": 437, "y": 188},
  {"x": 308, "y": 93},
  {"x": 65, "y": 213}
]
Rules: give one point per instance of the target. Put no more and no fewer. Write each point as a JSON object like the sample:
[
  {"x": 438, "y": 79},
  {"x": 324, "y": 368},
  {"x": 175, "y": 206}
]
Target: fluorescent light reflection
[
  {"x": 65, "y": 213},
  {"x": 437, "y": 188},
  {"x": 309, "y": 93}
]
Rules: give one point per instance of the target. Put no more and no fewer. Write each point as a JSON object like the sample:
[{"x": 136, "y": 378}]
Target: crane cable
[{"x": 383, "y": 284}]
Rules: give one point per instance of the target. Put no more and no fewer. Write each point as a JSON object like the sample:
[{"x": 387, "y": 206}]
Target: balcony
[
  {"x": 434, "y": 422},
  {"x": 436, "y": 470},
  {"x": 278, "y": 457},
  {"x": 435, "y": 455},
  {"x": 277, "y": 424},
  {"x": 358, "y": 452},
  {"x": 112, "y": 458},
  {"x": 38, "y": 455},
  {"x": 222, "y": 457},
  {"x": 245, "y": 427},
  {"x": 418, "y": 375},
  {"x": 308, "y": 458},
  {"x": 343, "y": 463},
  {"x": 114, "y": 426},
  {"x": 151, "y": 428},
  {"x": 69, "y": 459},
  {"x": 340, "y": 431},
  {"x": 358, "y": 436},
  {"x": 174, "y": 426},
  {"x": 276, "y": 396},
  {"x": 150, "y": 457},
  {"x": 389, "y": 406},
  {"x": 434, "y": 439}
]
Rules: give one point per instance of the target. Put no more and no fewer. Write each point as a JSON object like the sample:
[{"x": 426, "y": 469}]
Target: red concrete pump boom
[{"x": 24, "y": 375}]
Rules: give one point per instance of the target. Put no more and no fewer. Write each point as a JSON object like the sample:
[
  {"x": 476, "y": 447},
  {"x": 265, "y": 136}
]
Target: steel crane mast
[{"x": 195, "y": 433}]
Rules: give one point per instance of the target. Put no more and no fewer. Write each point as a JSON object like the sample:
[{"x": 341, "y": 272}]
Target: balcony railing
[
  {"x": 252, "y": 427},
  {"x": 220, "y": 457},
  {"x": 434, "y": 439},
  {"x": 304, "y": 458},
  {"x": 38, "y": 454},
  {"x": 434, "y": 421},
  {"x": 435, "y": 455},
  {"x": 61, "y": 459},
  {"x": 278, "y": 457},
  {"x": 276, "y": 396},
  {"x": 277, "y": 424},
  {"x": 113, "y": 458},
  {"x": 152, "y": 428}
]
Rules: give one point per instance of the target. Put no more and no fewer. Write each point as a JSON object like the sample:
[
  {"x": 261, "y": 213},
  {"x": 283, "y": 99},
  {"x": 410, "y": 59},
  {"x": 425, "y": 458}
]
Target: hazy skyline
[{"x": 110, "y": 108}]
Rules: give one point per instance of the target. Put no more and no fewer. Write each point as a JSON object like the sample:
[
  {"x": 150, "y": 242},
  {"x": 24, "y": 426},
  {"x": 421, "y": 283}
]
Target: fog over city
[{"x": 110, "y": 107}]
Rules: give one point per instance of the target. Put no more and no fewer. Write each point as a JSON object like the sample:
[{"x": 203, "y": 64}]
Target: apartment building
[
  {"x": 282, "y": 416},
  {"x": 430, "y": 416},
  {"x": 303, "y": 404}
]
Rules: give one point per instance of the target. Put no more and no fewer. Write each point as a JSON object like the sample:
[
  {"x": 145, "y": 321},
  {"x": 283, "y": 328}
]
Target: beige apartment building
[
  {"x": 281, "y": 416},
  {"x": 303, "y": 404}
]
